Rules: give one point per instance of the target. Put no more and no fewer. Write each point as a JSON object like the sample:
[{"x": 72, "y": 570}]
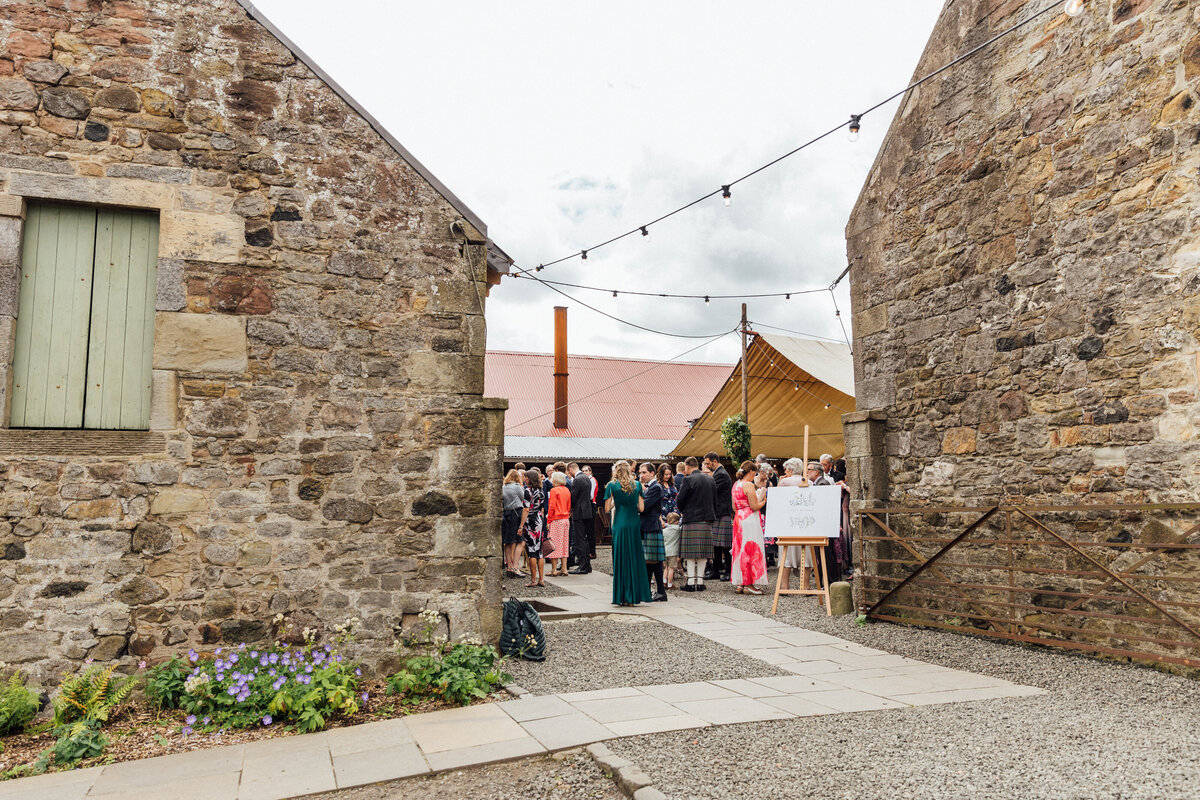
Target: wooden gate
[{"x": 1115, "y": 580}]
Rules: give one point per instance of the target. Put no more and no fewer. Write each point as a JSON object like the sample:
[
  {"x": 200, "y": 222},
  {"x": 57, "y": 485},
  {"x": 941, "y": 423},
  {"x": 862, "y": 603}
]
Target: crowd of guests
[{"x": 694, "y": 522}]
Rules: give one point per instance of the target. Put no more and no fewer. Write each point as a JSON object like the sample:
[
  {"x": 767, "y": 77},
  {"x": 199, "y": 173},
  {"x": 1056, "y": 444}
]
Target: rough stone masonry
[
  {"x": 319, "y": 445},
  {"x": 1026, "y": 274}
]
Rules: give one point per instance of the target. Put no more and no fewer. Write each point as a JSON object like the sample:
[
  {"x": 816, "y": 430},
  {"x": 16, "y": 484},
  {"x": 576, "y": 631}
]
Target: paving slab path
[{"x": 828, "y": 676}]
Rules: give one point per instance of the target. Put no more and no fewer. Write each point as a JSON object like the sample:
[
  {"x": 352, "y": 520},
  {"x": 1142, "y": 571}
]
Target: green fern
[{"x": 92, "y": 696}]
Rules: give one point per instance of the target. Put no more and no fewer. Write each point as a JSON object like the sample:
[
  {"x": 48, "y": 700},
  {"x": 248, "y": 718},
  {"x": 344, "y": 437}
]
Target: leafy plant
[
  {"x": 861, "y": 620},
  {"x": 253, "y": 687},
  {"x": 91, "y": 696},
  {"x": 457, "y": 672},
  {"x": 165, "y": 683},
  {"x": 735, "y": 436},
  {"x": 18, "y": 705},
  {"x": 76, "y": 741}
]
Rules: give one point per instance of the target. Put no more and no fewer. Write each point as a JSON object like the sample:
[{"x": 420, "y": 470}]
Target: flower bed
[{"x": 234, "y": 695}]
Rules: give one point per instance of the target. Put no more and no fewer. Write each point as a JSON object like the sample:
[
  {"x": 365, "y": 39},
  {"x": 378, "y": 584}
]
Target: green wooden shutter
[
  {"x": 122, "y": 328},
  {"x": 50, "y": 359},
  {"x": 85, "y": 323}
]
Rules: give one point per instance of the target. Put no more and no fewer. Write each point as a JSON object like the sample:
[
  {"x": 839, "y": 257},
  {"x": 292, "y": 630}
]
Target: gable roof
[
  {"x": 498, "y": 260},
  {"x": 609, "y": 398}
]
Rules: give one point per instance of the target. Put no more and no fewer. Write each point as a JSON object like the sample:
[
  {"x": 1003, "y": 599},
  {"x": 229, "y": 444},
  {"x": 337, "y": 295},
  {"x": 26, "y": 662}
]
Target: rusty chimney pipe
[{"x": 560, "y": 367}]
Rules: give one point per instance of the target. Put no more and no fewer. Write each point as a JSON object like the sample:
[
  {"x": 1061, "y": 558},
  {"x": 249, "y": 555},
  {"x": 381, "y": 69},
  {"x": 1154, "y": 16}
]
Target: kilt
[
  {"x": 722, "y": 535},
  {"x": 695, "y": 540},
  {"x": 652, "y": 542}
]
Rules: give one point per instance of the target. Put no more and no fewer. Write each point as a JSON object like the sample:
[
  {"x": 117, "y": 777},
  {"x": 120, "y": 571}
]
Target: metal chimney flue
[{"x": 560, "y": 367}]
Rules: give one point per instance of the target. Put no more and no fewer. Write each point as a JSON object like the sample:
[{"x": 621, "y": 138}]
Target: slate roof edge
[{"x": 498, "y": 260}]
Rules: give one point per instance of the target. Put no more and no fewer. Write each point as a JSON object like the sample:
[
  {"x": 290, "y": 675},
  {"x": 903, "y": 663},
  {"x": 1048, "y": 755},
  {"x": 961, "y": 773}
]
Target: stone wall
[
  {"x": 319, "y": 445},
  {"x": 1026, "y": 282}
]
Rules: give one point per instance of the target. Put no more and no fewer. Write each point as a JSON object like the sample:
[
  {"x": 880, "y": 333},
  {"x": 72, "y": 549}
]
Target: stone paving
[{"x": 829, "y": 676}]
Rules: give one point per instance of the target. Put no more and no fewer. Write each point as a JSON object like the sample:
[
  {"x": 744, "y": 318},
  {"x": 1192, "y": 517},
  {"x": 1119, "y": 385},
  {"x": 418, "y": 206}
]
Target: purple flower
[
  {"x": 274, "y": 658},
  {"x": 217, "y": 652},
  {"x": 192, "y": 656},
  {"x": 262, "y": 662},
  {"x": 358, "y": 672},
  {"x": 231, "y": 691},
  {"x": 254, "y": 654},
  {"x": 206, "y": 720},
  {"x": 267, "y": 720},
  {"x": 142, "y": 664},
  {"x": 365, "y": 697},
  {"x": 338, "y": 659},
  {"x": 185, "y": 730},
  {"x": 191, "y": 719},
  {"x": 308, "y": 668},
  {"x": 328, "y": 648}
]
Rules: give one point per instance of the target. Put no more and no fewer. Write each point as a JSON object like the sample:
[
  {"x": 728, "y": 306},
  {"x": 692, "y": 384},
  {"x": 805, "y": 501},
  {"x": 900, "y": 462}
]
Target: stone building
[
  {"x": 241, "y": 347},
  {"x": 1026, "y": 268}
]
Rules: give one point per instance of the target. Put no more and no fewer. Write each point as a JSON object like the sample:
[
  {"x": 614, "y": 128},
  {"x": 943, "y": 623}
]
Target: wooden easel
[
  {"x": 809, "y": 546},
  {"x": 814, "y": 548}
]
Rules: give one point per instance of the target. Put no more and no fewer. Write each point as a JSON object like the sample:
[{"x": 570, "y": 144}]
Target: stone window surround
[{"x": 195, "y": 222}]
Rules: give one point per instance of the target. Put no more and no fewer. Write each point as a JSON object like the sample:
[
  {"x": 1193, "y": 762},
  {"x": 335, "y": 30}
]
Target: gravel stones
[
  {"x": 629, "y": 650},
  {"x": 1103, "y": 730},
  {"x": 571, "y": 775}
]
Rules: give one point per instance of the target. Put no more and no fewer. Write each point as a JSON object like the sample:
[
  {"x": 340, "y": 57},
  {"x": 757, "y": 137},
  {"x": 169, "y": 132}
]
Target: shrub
[
  {"x": 735, "y": 435},
  {"x": 250, "y": 687},
  {"x": 165, "y": 683},
  {"x": 91, "y": 696},
  {"x": 455, "y": 672},
  {"x": 18, "y": 705}
]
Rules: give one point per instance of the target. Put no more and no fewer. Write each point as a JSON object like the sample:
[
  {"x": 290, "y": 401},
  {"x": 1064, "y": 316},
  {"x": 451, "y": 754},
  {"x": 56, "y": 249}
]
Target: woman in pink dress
[{"x": 749, "y": 555}]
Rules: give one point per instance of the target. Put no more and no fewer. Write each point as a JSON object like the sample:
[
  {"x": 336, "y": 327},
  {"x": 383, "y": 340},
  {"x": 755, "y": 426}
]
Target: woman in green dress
[{"x": 623, "y": 501}]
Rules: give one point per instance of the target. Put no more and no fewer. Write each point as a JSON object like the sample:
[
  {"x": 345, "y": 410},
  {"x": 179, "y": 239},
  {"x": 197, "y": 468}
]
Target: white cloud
[{"x": 564, "y": 124}]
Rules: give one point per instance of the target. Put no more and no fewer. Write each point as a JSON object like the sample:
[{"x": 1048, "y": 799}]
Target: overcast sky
[{"x": 562, "y": 124}]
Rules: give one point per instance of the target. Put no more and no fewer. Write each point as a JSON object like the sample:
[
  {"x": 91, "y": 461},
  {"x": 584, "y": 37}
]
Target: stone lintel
[
  {"x": 31, "y": 442},
  {"x": 865, "y": 415},
  {"x": 97, "y": 191}
]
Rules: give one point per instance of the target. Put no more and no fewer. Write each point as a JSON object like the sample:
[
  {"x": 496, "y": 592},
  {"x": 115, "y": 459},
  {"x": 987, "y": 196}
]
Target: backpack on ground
[{"x": 522, "y": 633}]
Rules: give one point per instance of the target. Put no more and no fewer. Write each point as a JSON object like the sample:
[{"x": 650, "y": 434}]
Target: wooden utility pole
[{"x": 745, "y": 390}]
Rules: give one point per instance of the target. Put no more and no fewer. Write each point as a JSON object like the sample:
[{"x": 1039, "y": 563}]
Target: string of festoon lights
[{"x": 853, "y": 127}]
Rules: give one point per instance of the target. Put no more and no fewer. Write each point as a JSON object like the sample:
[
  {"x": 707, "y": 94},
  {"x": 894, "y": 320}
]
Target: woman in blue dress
[{"x": 623, "y": 501}]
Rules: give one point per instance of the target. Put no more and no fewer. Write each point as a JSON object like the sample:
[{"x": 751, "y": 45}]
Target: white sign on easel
[{"x": 797, "y": 512}]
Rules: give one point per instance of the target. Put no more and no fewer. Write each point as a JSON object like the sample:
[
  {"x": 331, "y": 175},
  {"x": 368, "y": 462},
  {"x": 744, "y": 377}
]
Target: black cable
[
  {"x": 837, "y": 312},
  {"x": 833, "y": 339},
  {"x": 618, "y": 383},
  {"x": 633, "y": 324},
  {"x": 724, "y": 188},
  {"x": 662, "y": 294}
]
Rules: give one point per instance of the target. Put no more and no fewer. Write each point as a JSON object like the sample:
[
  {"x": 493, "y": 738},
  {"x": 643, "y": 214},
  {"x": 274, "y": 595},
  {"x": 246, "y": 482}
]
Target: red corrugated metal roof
[{"x": 617, "y": 397}]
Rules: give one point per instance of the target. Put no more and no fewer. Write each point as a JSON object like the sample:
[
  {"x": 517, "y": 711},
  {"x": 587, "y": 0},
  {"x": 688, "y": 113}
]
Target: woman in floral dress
[
  {"x": 535, "y": 528},
  {"x": 749, "y": 555}
]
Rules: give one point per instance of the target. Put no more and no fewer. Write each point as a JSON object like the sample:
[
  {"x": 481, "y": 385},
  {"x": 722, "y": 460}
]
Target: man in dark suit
[
  {"x": 652, "y": 538},
  {"x": 581, "y": 518},
  {"x": 722, "y": 540},
  {"x": 695, "y": 500}
]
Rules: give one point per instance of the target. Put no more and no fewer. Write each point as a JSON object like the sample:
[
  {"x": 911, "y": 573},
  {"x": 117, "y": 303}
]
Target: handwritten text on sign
[{"x": 803, "y": 511}]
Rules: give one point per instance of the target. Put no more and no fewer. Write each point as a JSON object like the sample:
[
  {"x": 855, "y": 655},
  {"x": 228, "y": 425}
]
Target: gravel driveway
[
  {"x": 628, "y": 650},
  {"x": 1103, "y": 730},
  {"x": 563, "y": 776}
]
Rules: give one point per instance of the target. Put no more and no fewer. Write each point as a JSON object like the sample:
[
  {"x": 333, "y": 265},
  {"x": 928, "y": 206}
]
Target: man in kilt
[
  {"x": 696, "y": 495},
  {"x": 722, "y": 539},
  {"x": 652, "y": 533}
]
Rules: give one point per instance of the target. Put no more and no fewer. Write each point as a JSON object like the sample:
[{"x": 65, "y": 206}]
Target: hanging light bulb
[
  {"x": 645, "y": 233},
  {"x": 706, "y": 300},
  {"x": 1074, "y": 8},
  {"x": 585, "y": 255},
  {"x": 827, "y": 405},
  {"x": 796, "y": 387},
  {"x": 727, "y": 195},
  {"x": 787, "y": 297},
  {"x": 540, "y": 267},
  {"x": 855, "y": 127},
  {"x": 614, "y": 292}
]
